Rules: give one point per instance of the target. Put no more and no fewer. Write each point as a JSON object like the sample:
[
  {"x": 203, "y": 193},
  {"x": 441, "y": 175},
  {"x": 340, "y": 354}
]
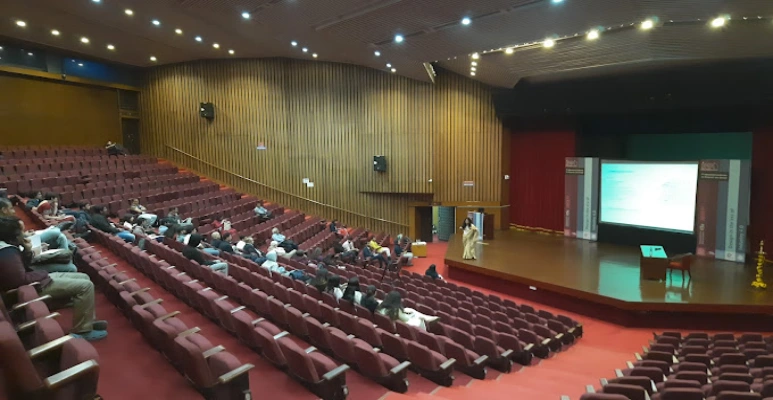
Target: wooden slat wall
[
  {"x": 325, "y": 122},
  {"x": 40, "y": 112}
]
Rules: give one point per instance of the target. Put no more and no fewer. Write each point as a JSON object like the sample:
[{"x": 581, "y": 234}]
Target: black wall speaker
[
  {"x": 207, "y": 110},
  {"x": 379, "y": 163}
]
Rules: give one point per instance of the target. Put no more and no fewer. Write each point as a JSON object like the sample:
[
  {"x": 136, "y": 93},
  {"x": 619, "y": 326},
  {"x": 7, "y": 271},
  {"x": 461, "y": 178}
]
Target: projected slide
[{"x": 651, "y": 195}]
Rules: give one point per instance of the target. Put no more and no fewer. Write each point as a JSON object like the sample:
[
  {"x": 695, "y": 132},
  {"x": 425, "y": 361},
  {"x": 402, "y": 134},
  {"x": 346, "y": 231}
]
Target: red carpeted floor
[{"x": 131, "y": 369}]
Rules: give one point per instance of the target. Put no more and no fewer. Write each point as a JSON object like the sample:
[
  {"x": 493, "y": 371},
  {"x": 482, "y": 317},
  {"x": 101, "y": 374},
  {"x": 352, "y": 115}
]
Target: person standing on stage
[{"x": 470, "y": 236}]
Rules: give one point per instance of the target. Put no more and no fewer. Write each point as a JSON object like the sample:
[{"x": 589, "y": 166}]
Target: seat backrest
[
  {"x": 18, "y": 372},
  {"x": 298, "y": 361}
]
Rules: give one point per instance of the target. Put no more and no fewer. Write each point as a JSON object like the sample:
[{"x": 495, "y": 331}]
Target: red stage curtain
[
  {"x": 761, "y": 213},
  {"x": 537, "y": 177}
]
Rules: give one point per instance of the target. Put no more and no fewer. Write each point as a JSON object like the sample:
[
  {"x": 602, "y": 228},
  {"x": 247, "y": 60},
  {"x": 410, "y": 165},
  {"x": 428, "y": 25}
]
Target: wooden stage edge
[{"x": 571, "y": 272}]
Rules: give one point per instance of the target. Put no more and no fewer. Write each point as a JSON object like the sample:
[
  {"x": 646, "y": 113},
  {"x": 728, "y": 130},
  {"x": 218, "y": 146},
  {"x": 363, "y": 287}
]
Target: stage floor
[{"x": 609, "y": 274}]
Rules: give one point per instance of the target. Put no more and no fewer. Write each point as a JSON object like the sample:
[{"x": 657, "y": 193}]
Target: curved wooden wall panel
[{"x": 325, "y": 122}]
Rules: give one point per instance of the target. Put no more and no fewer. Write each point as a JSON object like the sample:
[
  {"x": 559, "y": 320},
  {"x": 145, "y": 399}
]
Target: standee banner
[
  {"x": 722, "y": 213},
  {"x": 581, "y": 198}
]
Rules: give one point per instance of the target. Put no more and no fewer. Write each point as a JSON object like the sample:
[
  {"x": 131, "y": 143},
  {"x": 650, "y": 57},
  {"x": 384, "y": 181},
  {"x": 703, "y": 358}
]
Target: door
[{"x": 131, "y": 134}]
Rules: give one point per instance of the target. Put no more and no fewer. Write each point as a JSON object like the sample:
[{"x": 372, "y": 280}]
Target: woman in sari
[{"x": 470, "y": 236}]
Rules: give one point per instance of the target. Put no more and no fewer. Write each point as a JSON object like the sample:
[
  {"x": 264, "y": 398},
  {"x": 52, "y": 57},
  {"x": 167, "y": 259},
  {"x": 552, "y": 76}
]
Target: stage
[{"x": 602, "y": 280}]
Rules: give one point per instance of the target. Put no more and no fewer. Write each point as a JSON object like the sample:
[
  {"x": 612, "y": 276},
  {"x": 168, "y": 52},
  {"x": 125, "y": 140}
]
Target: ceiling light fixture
[
  {"x": 153, "y": 58},
  {"x": 393, "y": 70},
  {"x": 549, "y": 43},
  {"x": 96, "y": 1},
  {"x": 156, "y": 22},
  {"x": 80, "y": 64},
  {"x": 294, "y": 43},
  {"x": 399, "y": 38},
  {"x": 593, "y": 34},
  {"x": 110, "y": 47},
  {"x": 473, "y": 69},
  {"x": 718, "y": 22},
  {"x": 178, "y": 31},
  {"x": 231, "y": 52},
  {"x": 305, "y": 50},
  {"x": 128, "y": 12},
  {"x": 474, "y": 64},
  {"x": 21, "y": 23},
  {"x": 216, "y": 45},
  {"x": 475, "y": 56},
  {"x": 199, "y": 39},
  {"x": 377, "y": 53},
  {"x": 389, "y": 65},
  {"x": 55, "y": 32},
  {"x": 30, "y": 54},
  {"x": 557, "y": 1},
  {"x": 472, "y": 73},
  {"x": 85, "y": 40},
  {"x": 246, "y": 15},
  {"x": 314, "y": 55},
  {"x": 466, "y": 21},
  {"x": 647, "y": 24},
  {"x": 509, "y": 50}
]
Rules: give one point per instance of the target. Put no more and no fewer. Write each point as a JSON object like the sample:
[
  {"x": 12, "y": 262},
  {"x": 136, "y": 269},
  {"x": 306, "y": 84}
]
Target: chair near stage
[{"x": 681, "y": 262}]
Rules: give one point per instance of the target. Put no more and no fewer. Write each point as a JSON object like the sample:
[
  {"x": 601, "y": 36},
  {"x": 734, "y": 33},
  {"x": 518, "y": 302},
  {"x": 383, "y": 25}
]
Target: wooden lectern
[{"x": 653, "y": 262}]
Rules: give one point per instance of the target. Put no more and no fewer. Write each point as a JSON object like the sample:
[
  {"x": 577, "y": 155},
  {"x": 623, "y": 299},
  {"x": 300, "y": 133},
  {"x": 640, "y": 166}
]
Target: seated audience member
[
  {"x": 271, "y": 264},
  {"x": 334, "y": 287},
  {"x": 49, "y": 209},
  {"x": 142, "y": 227},
  {"x": 432, "y": 273},
  {"x": 352, "y": 292},
  {"x": 34, "y": 201},
  {"x": 300, "y": 256},
  {"x": 222, "y": 243},
  {"x": 283, "y": 242},
  {"x": 280, "y": 251},
  {"x": 6, "y": 208},
  {"x": 173, "y": 218},
  {"x": 392, "y": 307},
  {"x": 370, "y": 255},
  {"x": 221, "y": 225},
  {"x": 334, "y": 225},
  {"x": 98, "y": 218},
  {"x": 262, "y": 212},
  {"x": 115, "y": 149},
  {"x": 78, "y": 210},
  {"x": 139, "y": 210},
  {"x": 380, "y": 250},
  {"x": 369, "y": 300},
  {"x": 320, "y": 278},
  {"x": 248, "y": 250},
  {"x": 400, "y": 253},
  {"x": 191, "y": 252},
  {"x": 348, "y": 253},
  {"x": 15, "y": 271}
]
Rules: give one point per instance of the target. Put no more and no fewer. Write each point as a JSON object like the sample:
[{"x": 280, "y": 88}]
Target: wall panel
[
  {"x": 40, "y": 112},
  {"x": 325, "y": 122}
]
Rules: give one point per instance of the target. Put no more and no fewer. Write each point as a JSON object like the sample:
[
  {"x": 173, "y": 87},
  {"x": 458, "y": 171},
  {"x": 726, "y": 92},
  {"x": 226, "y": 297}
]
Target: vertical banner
[
  {"x": 581, "y": 197},
  {"x": 722, "y": 216}
]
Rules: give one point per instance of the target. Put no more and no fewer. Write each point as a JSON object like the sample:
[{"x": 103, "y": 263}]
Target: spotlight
[
  {"x": 80, "y": 64},
  {"x": 305, "y": 50},
  {"x": 128, "y": 11},
  {"x": 647, "y": 24},
  {"x": 216, "y": 45},
  {"x": 246, "y": 15},
  {"x": 55, "y": 32},
  {"x": 231, "y": 52},
  {"x": 466, "y": 21},
  {"x": 153, "y": 58},
  {"x": 389, "y": 65},
  {"x": 399, "y": 38},
  {"x": 393, "y": 70},
  {"x": 178, "y": 31},
  {"x": 475, "y": 56},
  {"x": 377, "y": 53},
  {"x": 110, "y": 47},
  {"x": 199, "y": 39},
  {"x": 293, "y": 43},
  {"x": 314, "y": 55},
  {"x": 21, "y": 23},
  {"x": 509, "y": 50},
  {"x": 549, "y": 43},
  {"x": 85, "y": 40},
  {"x": 156, "y": 22},
  {"x": 30, "y": 54},
  {"x": 718, "y": 22},
  {"x": 593, "y": 34}
]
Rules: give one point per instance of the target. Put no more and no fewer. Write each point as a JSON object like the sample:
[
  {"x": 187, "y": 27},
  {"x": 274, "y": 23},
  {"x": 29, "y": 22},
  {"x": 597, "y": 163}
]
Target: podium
[{"x": 653, "y": 263}]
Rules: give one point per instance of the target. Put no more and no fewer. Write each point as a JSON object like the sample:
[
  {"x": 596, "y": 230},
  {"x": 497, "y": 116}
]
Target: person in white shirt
[
  {"x": 334, "y": 287},
  {"x": 352, "y": 292}
]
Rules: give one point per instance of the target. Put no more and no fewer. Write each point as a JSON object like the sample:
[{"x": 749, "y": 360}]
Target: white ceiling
[{"x": 349, "y": 31}]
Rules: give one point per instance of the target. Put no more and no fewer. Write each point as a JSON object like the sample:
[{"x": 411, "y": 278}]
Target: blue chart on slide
[{"x": 651, "y": 195}]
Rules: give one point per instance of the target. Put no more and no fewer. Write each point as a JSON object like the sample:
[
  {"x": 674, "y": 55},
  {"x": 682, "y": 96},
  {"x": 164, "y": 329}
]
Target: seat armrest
[
  {"x": 237, "y": 309},
  {"x": 150, "y": 303},
  {"x": 29, "y": 324},
  {"x": 638, "y": 356},
  {"x": 629, "y": 364},
  {"x": 311, "y": 349},
  {"x": 529, "y": 347},
  {"x": 235, "y": 373},
  {"x": 189, "y": 332},
  {"x": 12, "y": 291},
  {"x": 167, "y": 316},
  {"x": 590, "y": 389},
  {"x": 171, "y": 267},
  {"x": 334, "y": 373},
  {"x": 565, "y": 397},
  {"x": 211, "y": 352},
  {"x": 480, "y": 360},
  {"x": 288, "y": 305},
  {"x": 207, "y": 289},
  {"x": 603, "y": 381},
  {"x": 350, "y": 337},
  {"x": 304, "y": 315},
  {"x": 127, "y": 281},
  {"x": 618, "y": 373},
  {"x": 326, "y": 324},
  {"x": 545, "y": 342},
  {"x": 193, "y": 281},
  {"x": 257, "y": 321},
  {"x": 221, "y": 298},
  {"x": 26, "y": 303},
  {"x": 400, "y": 368},
  {"x": 111, "y": 276},
  {"x": 507, "y": 353},
  {"x": 448, "y": 364},
  {"x": 136, "y": 292},
  {"x": 281, "y": 335},
  {"x": 60, "y": 379},
  {"x": 48, "y": 347}
]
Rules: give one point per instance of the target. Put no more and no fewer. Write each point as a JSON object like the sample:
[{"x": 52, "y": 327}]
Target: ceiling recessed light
[
  {"x": 80, "y": 64},
  {"x": 246, "y": 15},
  {"x": 21, "y": 23},
  {"x": 393, "y": 70},
  {"x": 377, "y": 53},
  {"x": 178, "y": 31},
  {"x": 128, "y": 11},
  {"x": 557, "y": 1},
  {"x": 647, "y": 24},
  {"x": 54, "y": 32},
  {"x": 153, "y": 58},
  {"x": 399, "y": 38},
  {"x": 30, "y": 54},
  {"x": 474, "y": 63},
  {"x": 718, "y": 22},
  {"x": 473, "y": 69},
  {"x": 85, "y": 40},
  {"x": 466, "y": 21},
  {"x": 314, "y": 55},
  {"x": 96, "y": 1},
  {"x": 305, "y": 50},
  {"x": 231, "y": 52},
  {"x": 475, "y": 56},
  {"x": 593, "y": 34},
  {"x": 472, "y": 73},
  {"x": 198, "y": 38},
  {"x": 216, "y": 45},
  {"x": 389, "y": 65},
  {"x": 509, "y": 50},
  {"x": 293, "y": 43},
  {"x": 549, "y": 43},
  {"x": 156, "y": 22},
  {"x": 110, "y": 47}
]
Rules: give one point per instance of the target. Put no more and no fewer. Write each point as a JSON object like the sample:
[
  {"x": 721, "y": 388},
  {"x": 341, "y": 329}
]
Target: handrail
[{"x": 283, "y": 192}]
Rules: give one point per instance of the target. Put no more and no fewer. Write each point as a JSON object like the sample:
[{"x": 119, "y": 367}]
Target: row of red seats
[
  {"x": 323, "y": 240},
  {"x": 30, "y": 152},
  {"x": 64, "y": 164}
]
